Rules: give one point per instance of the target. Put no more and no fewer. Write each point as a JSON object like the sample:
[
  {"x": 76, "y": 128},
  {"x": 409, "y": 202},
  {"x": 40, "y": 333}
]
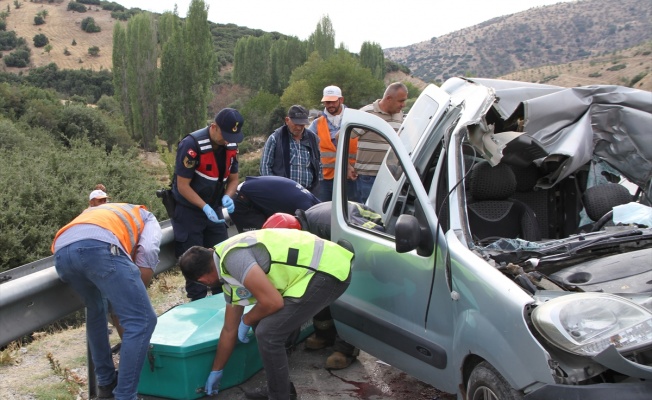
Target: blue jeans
[
  {"x": 273, "y": 330},
  {"x": 364, "y": 183},
  {"x": 326, "y": 190},
  {"x": 97, "y": 274}
]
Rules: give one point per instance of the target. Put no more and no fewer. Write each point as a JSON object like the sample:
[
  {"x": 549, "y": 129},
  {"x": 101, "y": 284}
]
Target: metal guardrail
[{"x": 33, "y": 296}]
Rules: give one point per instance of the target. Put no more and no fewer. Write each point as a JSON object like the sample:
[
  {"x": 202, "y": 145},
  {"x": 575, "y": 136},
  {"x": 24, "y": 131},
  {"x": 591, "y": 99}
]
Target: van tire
[{"x": 485, "y": 383}]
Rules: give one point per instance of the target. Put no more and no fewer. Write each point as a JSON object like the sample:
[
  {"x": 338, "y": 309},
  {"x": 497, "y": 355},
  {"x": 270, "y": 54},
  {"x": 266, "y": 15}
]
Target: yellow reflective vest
[{"x": 295, "y": 258}]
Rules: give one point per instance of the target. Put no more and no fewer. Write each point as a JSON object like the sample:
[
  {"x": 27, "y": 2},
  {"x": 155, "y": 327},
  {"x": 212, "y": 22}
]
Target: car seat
[
  {"x": 492, "y": 212},
  {"x": 599, "y": 202}
]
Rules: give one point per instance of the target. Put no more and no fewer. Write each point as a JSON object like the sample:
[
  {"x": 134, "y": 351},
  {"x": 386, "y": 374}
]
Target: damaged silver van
[{"x": 516, "y": 257}]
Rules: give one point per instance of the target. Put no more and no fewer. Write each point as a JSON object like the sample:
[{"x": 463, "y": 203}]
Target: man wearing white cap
[
  {"x": 327, "y": 126},
  {"x": 97, "y": 196}
]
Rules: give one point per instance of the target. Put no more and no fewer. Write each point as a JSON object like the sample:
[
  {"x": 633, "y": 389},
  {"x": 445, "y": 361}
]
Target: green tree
[
  {"x": 119, "y": 58},
  {"x": 94, "y": 51},
  {"x": 171, "y": 89},
  {"x": 258, "y": 112},
  {"x": 89, "y": 25},
  {"x": 197, "y": 67},
  {"x": 142, "y": 78},
  {"x": 322, "y": 40},
  {"x": 251, "y": 67},
  {"x": 358, "y": 86},
  {"x": 297, "y": 93},
  {"x": 285, "y": 56},
  {"x": 372, "y": 57},
  {"x": 40, "y": 40}
]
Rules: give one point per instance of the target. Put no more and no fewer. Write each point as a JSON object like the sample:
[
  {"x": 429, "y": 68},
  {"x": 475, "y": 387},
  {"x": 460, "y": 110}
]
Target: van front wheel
[{"x": 485, "y": 383}]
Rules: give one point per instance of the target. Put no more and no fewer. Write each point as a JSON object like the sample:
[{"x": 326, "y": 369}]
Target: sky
[{"x": 396, "y": 23}]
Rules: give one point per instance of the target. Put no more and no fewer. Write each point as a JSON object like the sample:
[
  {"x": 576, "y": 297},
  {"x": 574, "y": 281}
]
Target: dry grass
[
  {"x": 618, "y": 68},
  {"x": 55, "y": 365},
  {"x": 61, "y": 28}
]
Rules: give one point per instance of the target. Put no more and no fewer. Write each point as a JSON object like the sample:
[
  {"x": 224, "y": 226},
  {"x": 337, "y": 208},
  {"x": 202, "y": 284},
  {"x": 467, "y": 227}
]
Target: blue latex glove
[
  {"x": 210, "y": 213},
  {"x": 243, "y": 329},
  {"x": 227, "y": 203},
  {"x": 213, "y": 382}
]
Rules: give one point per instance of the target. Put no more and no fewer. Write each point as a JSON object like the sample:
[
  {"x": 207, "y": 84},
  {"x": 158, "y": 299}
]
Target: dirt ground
[{"x": 41, "y": 368}]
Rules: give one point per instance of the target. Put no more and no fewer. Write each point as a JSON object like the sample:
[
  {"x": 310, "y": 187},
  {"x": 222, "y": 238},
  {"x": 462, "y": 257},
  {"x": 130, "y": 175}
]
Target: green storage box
[{"x": 183, "y": 346}]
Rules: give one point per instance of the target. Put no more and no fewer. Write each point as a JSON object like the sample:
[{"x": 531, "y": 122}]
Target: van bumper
[{"x": 601, "y": 391}]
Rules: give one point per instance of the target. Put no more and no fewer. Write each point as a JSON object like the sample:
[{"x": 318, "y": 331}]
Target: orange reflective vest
[
  {"x": 327, "y": 148},
  {"x": 122, "y": 219}
]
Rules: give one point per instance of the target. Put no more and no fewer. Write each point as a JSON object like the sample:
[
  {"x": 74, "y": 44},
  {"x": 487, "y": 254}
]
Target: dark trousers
[
  {"x": 273, "y": 330},
  {"x": 192, "y": 228},
  {"x": 326, "y": 190}
]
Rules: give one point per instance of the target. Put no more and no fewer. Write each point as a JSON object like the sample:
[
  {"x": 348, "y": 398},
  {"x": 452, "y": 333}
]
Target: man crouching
[{"x": 289, "y": 276}]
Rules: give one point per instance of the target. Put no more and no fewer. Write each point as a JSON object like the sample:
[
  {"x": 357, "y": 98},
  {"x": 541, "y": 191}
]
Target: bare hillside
[
  {"x": 61, "y": 28},
  {"x": 556, "y": 34}
]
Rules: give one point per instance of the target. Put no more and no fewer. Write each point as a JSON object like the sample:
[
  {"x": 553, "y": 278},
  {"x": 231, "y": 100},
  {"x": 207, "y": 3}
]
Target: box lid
[{"x": 190, "y": 326}]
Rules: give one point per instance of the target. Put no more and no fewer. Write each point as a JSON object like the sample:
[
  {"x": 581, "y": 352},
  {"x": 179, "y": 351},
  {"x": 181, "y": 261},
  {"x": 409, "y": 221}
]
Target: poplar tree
[
  {"x": 172, "y": 88},
  {"x": 120, "y": 91},
  {"x": 142, "y": 78},
  {"x": 199, "y": 69},
  {"x": 372, "y": 57},
  {"x": 322, "y": 40}
]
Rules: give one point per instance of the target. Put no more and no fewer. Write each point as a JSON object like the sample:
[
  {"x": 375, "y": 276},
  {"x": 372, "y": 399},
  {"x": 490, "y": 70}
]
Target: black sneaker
[
  {"x": 106, "y": 391},
  {"x": 260, "y": 393}
]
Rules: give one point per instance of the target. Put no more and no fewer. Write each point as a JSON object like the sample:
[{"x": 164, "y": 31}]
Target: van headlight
[{"x": 588, "y": 323}]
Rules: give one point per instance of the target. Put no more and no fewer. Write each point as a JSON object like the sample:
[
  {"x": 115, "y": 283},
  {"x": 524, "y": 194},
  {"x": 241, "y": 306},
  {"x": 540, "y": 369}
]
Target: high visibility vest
[
  {"x": 122, "y": 219},
  {"x": 327, "y": 149},
  {"x": 295, "y": 258}
]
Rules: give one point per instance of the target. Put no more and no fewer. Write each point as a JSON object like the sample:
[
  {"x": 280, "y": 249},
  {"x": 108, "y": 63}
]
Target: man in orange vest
[
  {"x": 102, "y": 254},
  {"x": 327, "y": 126}
]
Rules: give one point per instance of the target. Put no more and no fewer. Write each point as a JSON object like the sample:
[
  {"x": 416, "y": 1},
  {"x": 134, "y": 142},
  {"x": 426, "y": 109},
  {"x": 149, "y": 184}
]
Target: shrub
[
  {"x": 637, "y": 78},
  {"x": 8, "y": 40},
  {"x": 35, "y": 209},
  {"x": 94, "y": 51},
  {"x": 18, "y": 58},
  {"x": 75, "y": 6},
  {"x": 617, "y": 67},
  {"x": 88, "y": 25},
  {"x": 40, "y": 40},
  {"x": 3, "y": 25},
  {"x": 38, "y": 20}
]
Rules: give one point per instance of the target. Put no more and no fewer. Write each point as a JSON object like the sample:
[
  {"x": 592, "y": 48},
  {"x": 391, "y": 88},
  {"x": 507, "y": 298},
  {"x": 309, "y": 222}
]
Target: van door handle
[{"x": 388, "y": 197}]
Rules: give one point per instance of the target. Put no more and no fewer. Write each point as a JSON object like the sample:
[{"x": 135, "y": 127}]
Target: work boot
[
  {"x": 314, "y": 342},
  {"x": 339, "y": 360},
  {"x": 260, "y": 393},
  {"x": 106, "y": 391}
]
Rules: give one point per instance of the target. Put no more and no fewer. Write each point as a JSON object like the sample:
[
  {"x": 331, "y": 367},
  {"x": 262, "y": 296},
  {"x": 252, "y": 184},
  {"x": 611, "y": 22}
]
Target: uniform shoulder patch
[
  {"x": 243, "y": 293},
  {"x": 189, "y": 163}
]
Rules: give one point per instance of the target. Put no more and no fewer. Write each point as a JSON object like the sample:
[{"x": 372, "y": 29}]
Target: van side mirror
[
  {"x": 407, "y": 233},
  {"x": 410, "y": 235}
]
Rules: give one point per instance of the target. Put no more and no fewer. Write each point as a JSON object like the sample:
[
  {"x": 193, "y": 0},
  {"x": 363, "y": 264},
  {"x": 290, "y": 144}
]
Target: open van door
[
  {"x": 424, "y": 115},
  {"x": 393, "y": 270}
]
